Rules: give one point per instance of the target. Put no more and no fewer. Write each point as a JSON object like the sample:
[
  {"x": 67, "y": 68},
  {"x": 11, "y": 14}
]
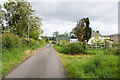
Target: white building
[{"x": 73, "y": 40}]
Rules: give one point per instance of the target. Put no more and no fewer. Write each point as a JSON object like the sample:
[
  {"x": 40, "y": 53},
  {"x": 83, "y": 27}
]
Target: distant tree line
[{"x": 19, "y": 18}]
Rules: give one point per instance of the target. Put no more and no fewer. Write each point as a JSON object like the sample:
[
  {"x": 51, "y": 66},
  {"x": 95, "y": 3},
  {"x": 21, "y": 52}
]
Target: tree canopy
[
  {"x": 55, "y": 33},
  {"x": 82, "y": 29},
  {"x": 20, "y": 19}
]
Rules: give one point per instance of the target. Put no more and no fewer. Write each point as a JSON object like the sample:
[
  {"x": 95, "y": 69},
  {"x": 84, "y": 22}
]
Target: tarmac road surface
[{"x": 45, "y": 63}]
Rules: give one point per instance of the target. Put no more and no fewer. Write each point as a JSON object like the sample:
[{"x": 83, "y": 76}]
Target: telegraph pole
[{"x": 28, "y": 32}]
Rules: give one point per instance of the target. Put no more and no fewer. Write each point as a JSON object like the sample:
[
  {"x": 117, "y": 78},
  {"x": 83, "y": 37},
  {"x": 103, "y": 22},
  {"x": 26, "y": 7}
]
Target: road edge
[{"x": 3, "y": 76}]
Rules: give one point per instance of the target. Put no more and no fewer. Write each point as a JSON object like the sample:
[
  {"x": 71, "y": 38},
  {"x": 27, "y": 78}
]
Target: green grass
[
  {"x": 94, "y": 66},
  {"x": 66, "y": 59},
  {"x": 94, "y": 51}
]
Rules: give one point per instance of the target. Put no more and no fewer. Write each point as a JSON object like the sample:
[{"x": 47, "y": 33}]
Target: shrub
[
  {"x": 62, "y": 42},
  {"x": 115, "y": 51},
  {"x": 32, "y": 44},
  {"x": 57, "y": 48},
  {"x": 42, "y": 41},
  {"x": 10, "y": 41},
  {"x": 53, "y": 42},
  {"x": 115, "y": 44},
  {"x": 73, "y": 48}
]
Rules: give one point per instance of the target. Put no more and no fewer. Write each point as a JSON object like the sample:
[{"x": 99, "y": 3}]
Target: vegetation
[
  {"x": 69, "y": 48},
  {"x": 114, "y": 51},
  {"x": 55, "y": 33},
  {"x": 94, "y": 63},
  {"x": 20, "y": 19},
  {"x": 62, "y": 42},
  {"x": 14, "y": 50},
  {"x": 20, "y": 32},
  {"x": 94, "y": 51},
  {"x": 72, "y": 48},
  {"x": 88, "y": 66},
  {"x": 82, "y": 30}
]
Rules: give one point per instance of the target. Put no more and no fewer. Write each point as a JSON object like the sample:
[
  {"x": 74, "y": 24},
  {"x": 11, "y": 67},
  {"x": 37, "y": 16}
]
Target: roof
[
  {"x": 116, "y": 34},
  {"x": 105, "y": 35}
]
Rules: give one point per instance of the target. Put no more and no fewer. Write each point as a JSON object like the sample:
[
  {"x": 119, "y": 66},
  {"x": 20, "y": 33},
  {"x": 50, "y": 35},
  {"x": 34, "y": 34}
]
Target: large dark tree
[
  {"x": 79, "y": 29},
  {"x": 82, "y": 30},
  {"x": 88, "y": 30}
]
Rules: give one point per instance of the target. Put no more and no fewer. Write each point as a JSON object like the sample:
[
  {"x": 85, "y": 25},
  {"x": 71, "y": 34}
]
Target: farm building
[{"x": 62, "y": 37}]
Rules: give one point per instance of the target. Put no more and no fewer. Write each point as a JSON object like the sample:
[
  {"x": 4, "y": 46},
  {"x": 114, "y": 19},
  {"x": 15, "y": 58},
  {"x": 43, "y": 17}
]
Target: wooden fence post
[
  {"x": 85, "y": 44},
  {"x": 106, "y": 46}
]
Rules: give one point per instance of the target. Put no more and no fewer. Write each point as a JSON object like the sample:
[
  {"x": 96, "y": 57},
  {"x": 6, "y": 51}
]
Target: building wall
[
  {"x": 73, "y": 40},
  {"x": 62, "y": 37},
  {"x": 115, "y": 38},
  {"x": 94, "y": 34}
]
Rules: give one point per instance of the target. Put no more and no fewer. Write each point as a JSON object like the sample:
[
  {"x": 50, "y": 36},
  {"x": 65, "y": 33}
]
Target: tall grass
[
  {"x": 99, "y": 66},
  {"x": 94, "y": 51}
]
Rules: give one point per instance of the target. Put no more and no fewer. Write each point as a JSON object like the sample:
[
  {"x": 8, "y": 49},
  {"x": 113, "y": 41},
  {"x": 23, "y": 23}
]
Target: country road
[{"x": 45, "y": 63}]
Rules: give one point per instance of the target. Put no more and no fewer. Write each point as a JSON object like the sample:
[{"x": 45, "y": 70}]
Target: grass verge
[
  {"x": 12, "y": 57},
  {"x": 91, "y": 66}
]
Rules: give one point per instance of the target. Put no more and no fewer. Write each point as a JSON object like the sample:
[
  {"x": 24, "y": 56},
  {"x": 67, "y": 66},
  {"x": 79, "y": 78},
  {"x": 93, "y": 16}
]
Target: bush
[
  {"x": 115, "y": 44},
  {"x": 10, "y": 41},
  {"x": 57, "y": 48},
  {"x": 99, "y": 66},
  {"x": 115, "y": 51},
  {"x": 42, "y": 41},
  {"x": 62, "y": 42},
  {"x": 72, "y": 48}
]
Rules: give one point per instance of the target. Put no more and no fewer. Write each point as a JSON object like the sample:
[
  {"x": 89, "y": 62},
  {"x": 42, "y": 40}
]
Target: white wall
[{"x": 73, "y": 40}]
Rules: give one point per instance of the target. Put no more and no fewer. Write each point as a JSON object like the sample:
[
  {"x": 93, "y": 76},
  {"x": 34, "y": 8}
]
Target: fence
[{"x": 99, "y": 45}]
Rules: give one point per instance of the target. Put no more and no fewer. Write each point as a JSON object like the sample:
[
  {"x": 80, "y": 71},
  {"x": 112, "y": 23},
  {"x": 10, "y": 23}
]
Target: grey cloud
[
  {"x": 58, "y": 13},
  {"x": 75, "y": 11}
]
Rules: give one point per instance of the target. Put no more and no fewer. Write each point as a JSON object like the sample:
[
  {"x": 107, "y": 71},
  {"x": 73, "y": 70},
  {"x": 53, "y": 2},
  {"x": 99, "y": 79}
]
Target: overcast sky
[{"x": 62, "y": 16}]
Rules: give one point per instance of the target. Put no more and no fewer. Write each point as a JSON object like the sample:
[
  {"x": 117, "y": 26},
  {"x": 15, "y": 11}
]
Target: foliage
[
  {"x": 13, "y": 48},
  {"x": 62, "y": 42},
  {"x": 96, "y": 39},
  {"x": 10, "y": 41},
  {"x": 99, "y": 66},
  {"x": 88, "y": 30},
  {"x": 82, "y": 30},
  {"x": 21, "y": 20},
  {"x": 71, "y": 48},
  {"x": 57, "y": 48},
  {"x": 116, "y": 44},
  {"x": 55, "y": 33},
  {"x": 2, "y": 13},
  {"x": 114, "y": 51},
  {"x": 42, "y": 41}
]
